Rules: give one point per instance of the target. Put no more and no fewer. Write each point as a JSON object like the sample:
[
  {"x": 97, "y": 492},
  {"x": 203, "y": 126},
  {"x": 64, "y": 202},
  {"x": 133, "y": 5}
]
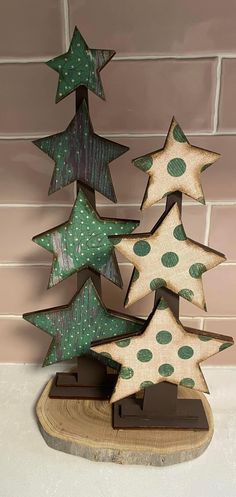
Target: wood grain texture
[
  {"x": 163, "y": 351},
  {"x": 81, "y": 155},
  {"x": 83, "y": 428}
]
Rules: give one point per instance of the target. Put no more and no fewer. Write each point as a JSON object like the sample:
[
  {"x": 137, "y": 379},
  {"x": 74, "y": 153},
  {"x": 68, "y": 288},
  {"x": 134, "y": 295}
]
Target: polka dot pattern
[
  {"x": 157, "y": 283},
  {"x": 144, "y": 163},
  {"x": 83, "y": 242},
  {"x": 144, "y": 355},
  {"x": 176, "y": 167},
  {"x": 163, "y": 337},
  {"x": 170, "y": 259},
  {"x": 142, "y": 248},
  {"x": 187, "y": 382},
  {"x": 179, "y": 135},
  {"x": 76, "y": 326},
  {"x": 163, "y": 351},
  {"x": 185, "y": 352},
  {"x": 179, "y": 233},
  {"x": 126, "y": 373},
  {"x": 81, "y": 155},
  {"x": 79, "y": 66},
  {"x": 166, "y": 370},
  {"x": 186, "y": 293},
  {"x": 197, "y": 269}
]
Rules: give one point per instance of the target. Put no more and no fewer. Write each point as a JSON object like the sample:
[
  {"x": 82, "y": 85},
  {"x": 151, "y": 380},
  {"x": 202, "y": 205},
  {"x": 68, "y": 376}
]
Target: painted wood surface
[
  {"x": 79, "y": 324},
  {"x": 82, "y": 243},
  {"x": 167, "y": 258},
  {"x": 163, "y": 351},
  {"x": 80, "y": 65},
  {"x": 177, "y": 166},
  {"x": 81, "y": 155}
]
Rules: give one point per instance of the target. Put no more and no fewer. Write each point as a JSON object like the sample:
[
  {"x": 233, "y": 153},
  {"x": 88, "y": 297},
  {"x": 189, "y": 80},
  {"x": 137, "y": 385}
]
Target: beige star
[
  {"x": 165, "y": 351},
  {"x": 177, "y": 166},
  {"x": 166, "y": 257}
]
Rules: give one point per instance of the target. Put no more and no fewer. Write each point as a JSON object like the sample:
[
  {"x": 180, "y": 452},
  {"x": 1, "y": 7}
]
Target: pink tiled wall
[{"x": 172, "y": 58}]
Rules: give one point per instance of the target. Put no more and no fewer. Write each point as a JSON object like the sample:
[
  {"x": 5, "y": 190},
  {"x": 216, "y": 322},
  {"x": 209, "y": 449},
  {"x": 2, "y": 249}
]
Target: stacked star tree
[
  {"x": 81, "y": 244},
  {"x": 170, "y": 264}
]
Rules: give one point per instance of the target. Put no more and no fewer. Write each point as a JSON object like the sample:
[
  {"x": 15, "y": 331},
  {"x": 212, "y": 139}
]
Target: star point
[
  {"x": 163, "y": 351},
  {"x": 177, "y": 166}
]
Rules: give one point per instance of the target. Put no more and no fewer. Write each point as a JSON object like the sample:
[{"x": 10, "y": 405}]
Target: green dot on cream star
[
  {"x": 83, "y": 242},
  {"x": 165, "y": 257},
  {"x": 162, "y": 351},
  {"x": 177, "y": 166}
]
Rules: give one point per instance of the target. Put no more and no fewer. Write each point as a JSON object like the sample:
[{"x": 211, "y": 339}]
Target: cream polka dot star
[
  {"x": 175, "y": 167},
  {"x": 167, "y": 258},
  {"x": 165, "y": 351}
]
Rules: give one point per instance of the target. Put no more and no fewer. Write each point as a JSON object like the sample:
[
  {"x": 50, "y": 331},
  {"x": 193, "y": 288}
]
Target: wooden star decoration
[
  {"x": 80, "y": 65},
  {"x": 81, "y": 155},
  {"x": 164, "y": 351},
  {"x": 84, "y": 321},
  {"x": 82, "y": 242},
  {"x": 176, "y": 167},
  {"x": 167, "y": 258}
]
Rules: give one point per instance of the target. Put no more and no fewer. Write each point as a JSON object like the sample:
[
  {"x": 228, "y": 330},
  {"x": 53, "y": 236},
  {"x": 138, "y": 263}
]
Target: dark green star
[
  {"x": 81, "y": 155},
  {"x": 80, "y": 66},
  {"x": 82, "y": 242},
  {"x": 84, "y": 321}
]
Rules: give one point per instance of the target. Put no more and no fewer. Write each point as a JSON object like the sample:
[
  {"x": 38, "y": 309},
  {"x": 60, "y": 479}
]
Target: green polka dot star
[
  {"x": 82, "y": 242},
  {"x": 81, "y": 155},
  {"x": 84, "y": 321},
  {"x": 177, "y": 166},
  {"x": 167, "y": 258},
  {"x": 164, "y": 351},
  {"x": 80, "y": 66}
]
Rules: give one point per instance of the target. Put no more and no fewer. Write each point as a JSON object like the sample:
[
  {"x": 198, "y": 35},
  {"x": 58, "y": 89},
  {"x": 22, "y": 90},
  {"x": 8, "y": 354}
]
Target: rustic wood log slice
[{"x": 83, "y": 428}]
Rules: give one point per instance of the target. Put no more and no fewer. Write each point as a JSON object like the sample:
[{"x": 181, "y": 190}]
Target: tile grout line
[
  {"x": 117, "y": 58},
  {"x": 34, "y": 136},
  {"x": 66, "y": 23},
  {"x": 46, "y": 264},
  {"x": 208, "y": 224},
  {"x": 191, "y": 318},
  {"x": 120, "y": 204},
  {"x": 217, "y": 94}
]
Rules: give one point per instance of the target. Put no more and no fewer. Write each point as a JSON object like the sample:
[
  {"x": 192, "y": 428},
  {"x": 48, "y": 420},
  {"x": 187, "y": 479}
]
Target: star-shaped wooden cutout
[
  {"x": 164, "y": 351},
  {"x": 167, "y": 258},
  {"x": 176, "y": 167},
  {"x": 81, "y": 155},
  {"x": 82, "y": 242},
  {"x": 80, "y": 65},
  {"x": 83, "y": 321}
]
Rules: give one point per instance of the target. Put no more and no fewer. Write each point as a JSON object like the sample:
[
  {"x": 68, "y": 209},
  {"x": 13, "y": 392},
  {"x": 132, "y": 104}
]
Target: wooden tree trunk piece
[{"x": 83, "y": 428}]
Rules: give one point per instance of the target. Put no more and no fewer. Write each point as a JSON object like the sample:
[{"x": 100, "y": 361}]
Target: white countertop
[{"x": 29, "y": 468}]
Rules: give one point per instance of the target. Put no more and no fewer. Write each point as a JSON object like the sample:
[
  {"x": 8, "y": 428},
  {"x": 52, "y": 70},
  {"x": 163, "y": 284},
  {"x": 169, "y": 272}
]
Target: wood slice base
[{"x": 83, "y": 428}]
